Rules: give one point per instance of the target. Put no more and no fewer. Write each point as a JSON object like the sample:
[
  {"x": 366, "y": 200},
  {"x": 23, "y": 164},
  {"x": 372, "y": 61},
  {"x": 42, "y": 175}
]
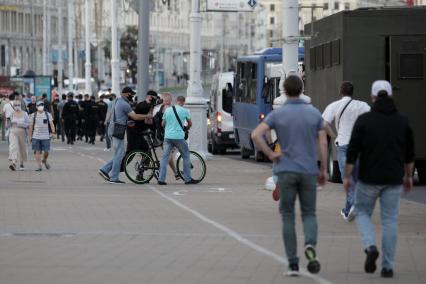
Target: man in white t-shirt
[
  {"x": 41, "y": 130},
  {"x": 344, "y": 112}
]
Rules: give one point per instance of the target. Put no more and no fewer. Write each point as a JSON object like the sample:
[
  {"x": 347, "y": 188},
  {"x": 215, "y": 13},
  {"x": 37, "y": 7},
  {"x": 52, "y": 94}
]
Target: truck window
[{"x": 227, "y": 98}]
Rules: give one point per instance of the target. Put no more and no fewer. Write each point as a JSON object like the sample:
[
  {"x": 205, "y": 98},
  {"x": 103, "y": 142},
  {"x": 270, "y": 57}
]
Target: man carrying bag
[
  {"x": 175, "y": 134},
  {"x": 121, "y": 111}
]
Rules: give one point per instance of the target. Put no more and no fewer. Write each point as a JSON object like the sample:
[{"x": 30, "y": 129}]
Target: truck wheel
[
  {"x": 245, "y": 154},
  {"x": 259, "y": 156},
  {"x": 421, "y": 171}
]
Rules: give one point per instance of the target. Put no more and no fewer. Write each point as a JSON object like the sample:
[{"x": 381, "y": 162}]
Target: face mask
[
  {"x": 40, "y": 108},
  {"x": 17, "y": 108}
]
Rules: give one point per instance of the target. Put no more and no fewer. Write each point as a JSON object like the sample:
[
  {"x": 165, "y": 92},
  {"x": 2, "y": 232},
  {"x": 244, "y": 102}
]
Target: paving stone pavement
[{"x": 67, "y": 225}]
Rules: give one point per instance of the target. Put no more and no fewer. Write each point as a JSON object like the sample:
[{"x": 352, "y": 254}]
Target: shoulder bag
[
  {"x": 180, "y": 123},
  {"x": 119, "y": 130}
]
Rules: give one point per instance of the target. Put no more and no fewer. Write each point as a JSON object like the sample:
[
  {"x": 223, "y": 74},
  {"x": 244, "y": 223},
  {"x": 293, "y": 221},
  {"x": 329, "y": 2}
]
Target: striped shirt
[{"x": 41, "y": 127}]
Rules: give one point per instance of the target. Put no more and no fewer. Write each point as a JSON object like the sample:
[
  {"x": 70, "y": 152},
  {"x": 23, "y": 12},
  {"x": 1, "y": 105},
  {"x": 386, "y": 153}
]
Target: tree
[{"x": 129, "y": 49}]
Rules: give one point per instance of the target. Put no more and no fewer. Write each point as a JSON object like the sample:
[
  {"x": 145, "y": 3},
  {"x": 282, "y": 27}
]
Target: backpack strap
[{"x": 340, "y": 116}]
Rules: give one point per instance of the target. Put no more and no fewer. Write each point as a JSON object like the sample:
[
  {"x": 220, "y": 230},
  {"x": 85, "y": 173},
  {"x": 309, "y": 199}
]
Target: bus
[{"x": 254, "y": 93}]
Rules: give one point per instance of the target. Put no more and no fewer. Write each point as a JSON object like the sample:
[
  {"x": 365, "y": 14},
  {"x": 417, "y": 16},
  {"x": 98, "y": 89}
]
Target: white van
[{"x": 220, "y": 133}]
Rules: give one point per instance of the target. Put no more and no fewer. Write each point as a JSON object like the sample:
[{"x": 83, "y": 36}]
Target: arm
[
  {"x": 52, "y": 125},
  {"x": 409, "y": 160},
  {"x": 322, "y": 141},
  {"x": 329, "y": 130},
  {"x": 257, "y": 137},
  {"x": 352, "y": 154},
  {"x": 189, "y": 121},
  {"x": 136, "y": 116}
]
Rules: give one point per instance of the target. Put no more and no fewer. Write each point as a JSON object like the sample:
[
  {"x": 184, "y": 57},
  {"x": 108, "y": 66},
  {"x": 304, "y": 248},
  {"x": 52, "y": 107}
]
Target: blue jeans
[
  {"x": 182, "y": 146},
  {"x": 341, "y": 159},
  {"x": 113, "y": 166},
  {"x": 365, "y": 200},
  {"x": 291, "y": 185}
]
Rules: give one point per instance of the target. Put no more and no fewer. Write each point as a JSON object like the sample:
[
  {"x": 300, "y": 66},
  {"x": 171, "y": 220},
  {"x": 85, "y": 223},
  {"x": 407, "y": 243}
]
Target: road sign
[{"x": 230, "y": 5}]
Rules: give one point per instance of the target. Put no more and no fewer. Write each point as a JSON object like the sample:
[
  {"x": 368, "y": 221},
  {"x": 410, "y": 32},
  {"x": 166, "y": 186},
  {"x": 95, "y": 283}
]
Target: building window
[
  {"x": 336, "y": 5},
  {"x": 272, "y": 21},
  {"x": 271, "y": 33},
  {"x": 347, "y": 6},
  {"x": 272, "y": 7},
  {"x": 325, "y": 6}
]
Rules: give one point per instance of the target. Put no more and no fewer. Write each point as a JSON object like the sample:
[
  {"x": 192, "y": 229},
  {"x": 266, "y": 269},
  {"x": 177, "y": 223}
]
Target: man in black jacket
[
  {"x": 69, "y": 118},
  {"x": 383, "y": 140}
]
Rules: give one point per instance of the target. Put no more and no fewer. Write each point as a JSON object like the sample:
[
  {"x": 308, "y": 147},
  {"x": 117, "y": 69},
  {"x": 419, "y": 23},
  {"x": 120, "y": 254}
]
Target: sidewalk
[{"x": 67, "y": 225}]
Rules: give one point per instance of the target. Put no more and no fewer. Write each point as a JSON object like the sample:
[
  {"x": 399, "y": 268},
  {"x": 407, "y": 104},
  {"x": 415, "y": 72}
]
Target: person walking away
[
  {"x": 19, "y": 123},
  {"x": 84, "y": 104},
  {"x": 343, "y": 113},
  {"x": 92, "y": 119},
  {"x": 69, "y": 118},
  {"x": 383, "y": 140},
  {"x": 41, "y": 128},
  {"x": 121, "y": 111},
  {"x": 32, "y": 108},
  {"x": 46, "y": 102},
  {"x": 174, "y": 136},
  {"x": 56, "y": 116},
  {"x": 60, "y": 120},
  {"x": 103, "y": 109},
  {"x": 296, "y": 167}
]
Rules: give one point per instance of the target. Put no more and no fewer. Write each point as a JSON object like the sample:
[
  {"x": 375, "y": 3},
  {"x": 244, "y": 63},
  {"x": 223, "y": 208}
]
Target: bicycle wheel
[
  {"x": 139, "y": 167},
  {"x": 198, "y": 166}
]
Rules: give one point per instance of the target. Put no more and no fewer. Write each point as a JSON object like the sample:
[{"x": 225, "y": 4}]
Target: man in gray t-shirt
[
  {"x": 121, "y": 111},
  {"x": 299, "y": 127}
]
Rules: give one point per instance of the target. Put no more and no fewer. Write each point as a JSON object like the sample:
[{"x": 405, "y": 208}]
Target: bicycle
[{"x": 140, "y": 167}]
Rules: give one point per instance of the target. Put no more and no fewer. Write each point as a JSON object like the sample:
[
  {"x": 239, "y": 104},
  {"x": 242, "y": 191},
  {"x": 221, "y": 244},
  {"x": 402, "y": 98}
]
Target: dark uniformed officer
[
  {"x": 83, "y": 118},
  {"x": 69, "y": 117},
  {"x": 103, "y": 109},
  {"x": 92, "y": 111}
]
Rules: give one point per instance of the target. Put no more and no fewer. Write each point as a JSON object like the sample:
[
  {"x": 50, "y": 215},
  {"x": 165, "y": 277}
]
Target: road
[{"x": 67, "y": 225}]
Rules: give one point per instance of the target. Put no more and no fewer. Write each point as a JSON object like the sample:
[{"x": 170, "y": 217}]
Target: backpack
[{"x": 158, "y": 128}]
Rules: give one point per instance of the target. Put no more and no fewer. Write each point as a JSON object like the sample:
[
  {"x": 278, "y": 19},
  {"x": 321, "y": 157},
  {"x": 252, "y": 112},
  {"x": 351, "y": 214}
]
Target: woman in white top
[{"x": 19, "y": 122}]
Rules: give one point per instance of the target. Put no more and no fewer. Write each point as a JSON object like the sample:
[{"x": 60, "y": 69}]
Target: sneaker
[
  {"x": 293, "y": 270},
  {"x": 370, "y": 261},
  {"x": 351, "y": 214},
  {"x": 46, "y": 164},
  {"x": 313, "y": 263},
  {"x": 177, "y": 177},
  {"x": 104, "y": 175},
  {"x": 12, "y": 167},
  {"x": 116, "y": 182},
  {"x": 21, "y": 167},
  {"x": 107, "y": 149},
  {"x": 343, "y": 213},
  {"x": 162, "y": 182},
  {"x": 386, "y": 273},
  {"x": 192, "y": 181},
  {"x": 39, "y": 169}
]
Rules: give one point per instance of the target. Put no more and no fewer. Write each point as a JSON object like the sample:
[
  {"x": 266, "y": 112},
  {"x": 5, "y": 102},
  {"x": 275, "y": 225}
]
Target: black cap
[
  {"x": 152, "y": 93},
  {"x": 128, "y": 90}
]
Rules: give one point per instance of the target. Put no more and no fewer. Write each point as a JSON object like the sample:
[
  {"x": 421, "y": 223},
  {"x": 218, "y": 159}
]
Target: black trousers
[
  {"x": 91, "y": 125},
  {"x": 70, "y": 127}
]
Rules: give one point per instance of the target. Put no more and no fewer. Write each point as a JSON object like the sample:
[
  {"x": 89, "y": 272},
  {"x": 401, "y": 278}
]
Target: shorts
[{"x": 41, "y": 145}]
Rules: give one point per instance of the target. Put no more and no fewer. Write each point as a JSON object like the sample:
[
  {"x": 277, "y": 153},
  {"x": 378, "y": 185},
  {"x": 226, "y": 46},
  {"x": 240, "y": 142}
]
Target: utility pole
[
  {"x": 60, "y": 61},
  {"x": 88, "y": 65},
  {"x": 143, "y": 49},
  {"x": 222, "y": 43},
  {"x": 290, "y": 35},
  {"x": 115, "y": 64},
  {"x": 195, "y": 100},
  {"x": 70, "y": 44},
  {"x": 49, "y": 39},
  {"x": 44, "y": 37}
]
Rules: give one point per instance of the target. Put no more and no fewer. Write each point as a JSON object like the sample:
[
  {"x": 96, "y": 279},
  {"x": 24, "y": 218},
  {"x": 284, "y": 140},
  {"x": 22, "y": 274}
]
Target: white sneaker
[
  {"x": 351, "y": 214},
  {"x": 107, "y": 149}
]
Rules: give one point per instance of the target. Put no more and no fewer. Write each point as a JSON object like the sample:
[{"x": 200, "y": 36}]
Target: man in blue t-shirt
[
  {"x": 174, "y": 119},
  {"x": 120, "y": 112},
  {"x": 299, "y": 126}
]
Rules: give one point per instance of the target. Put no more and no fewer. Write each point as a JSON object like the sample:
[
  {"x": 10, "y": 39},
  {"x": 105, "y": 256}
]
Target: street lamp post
[
  {"x": 88, "y": 65},
  {"x": 195, "y": 100},
  {"x": 143, "y": 49},
  {"x": 115, "y": 64},
  {"x": 60, "y": 61},
  {"x": 70, "y": 44}
]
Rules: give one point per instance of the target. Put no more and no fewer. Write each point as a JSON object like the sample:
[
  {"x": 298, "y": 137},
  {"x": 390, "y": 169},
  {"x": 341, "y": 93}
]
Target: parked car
[{"x": 220, "y": 133}]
